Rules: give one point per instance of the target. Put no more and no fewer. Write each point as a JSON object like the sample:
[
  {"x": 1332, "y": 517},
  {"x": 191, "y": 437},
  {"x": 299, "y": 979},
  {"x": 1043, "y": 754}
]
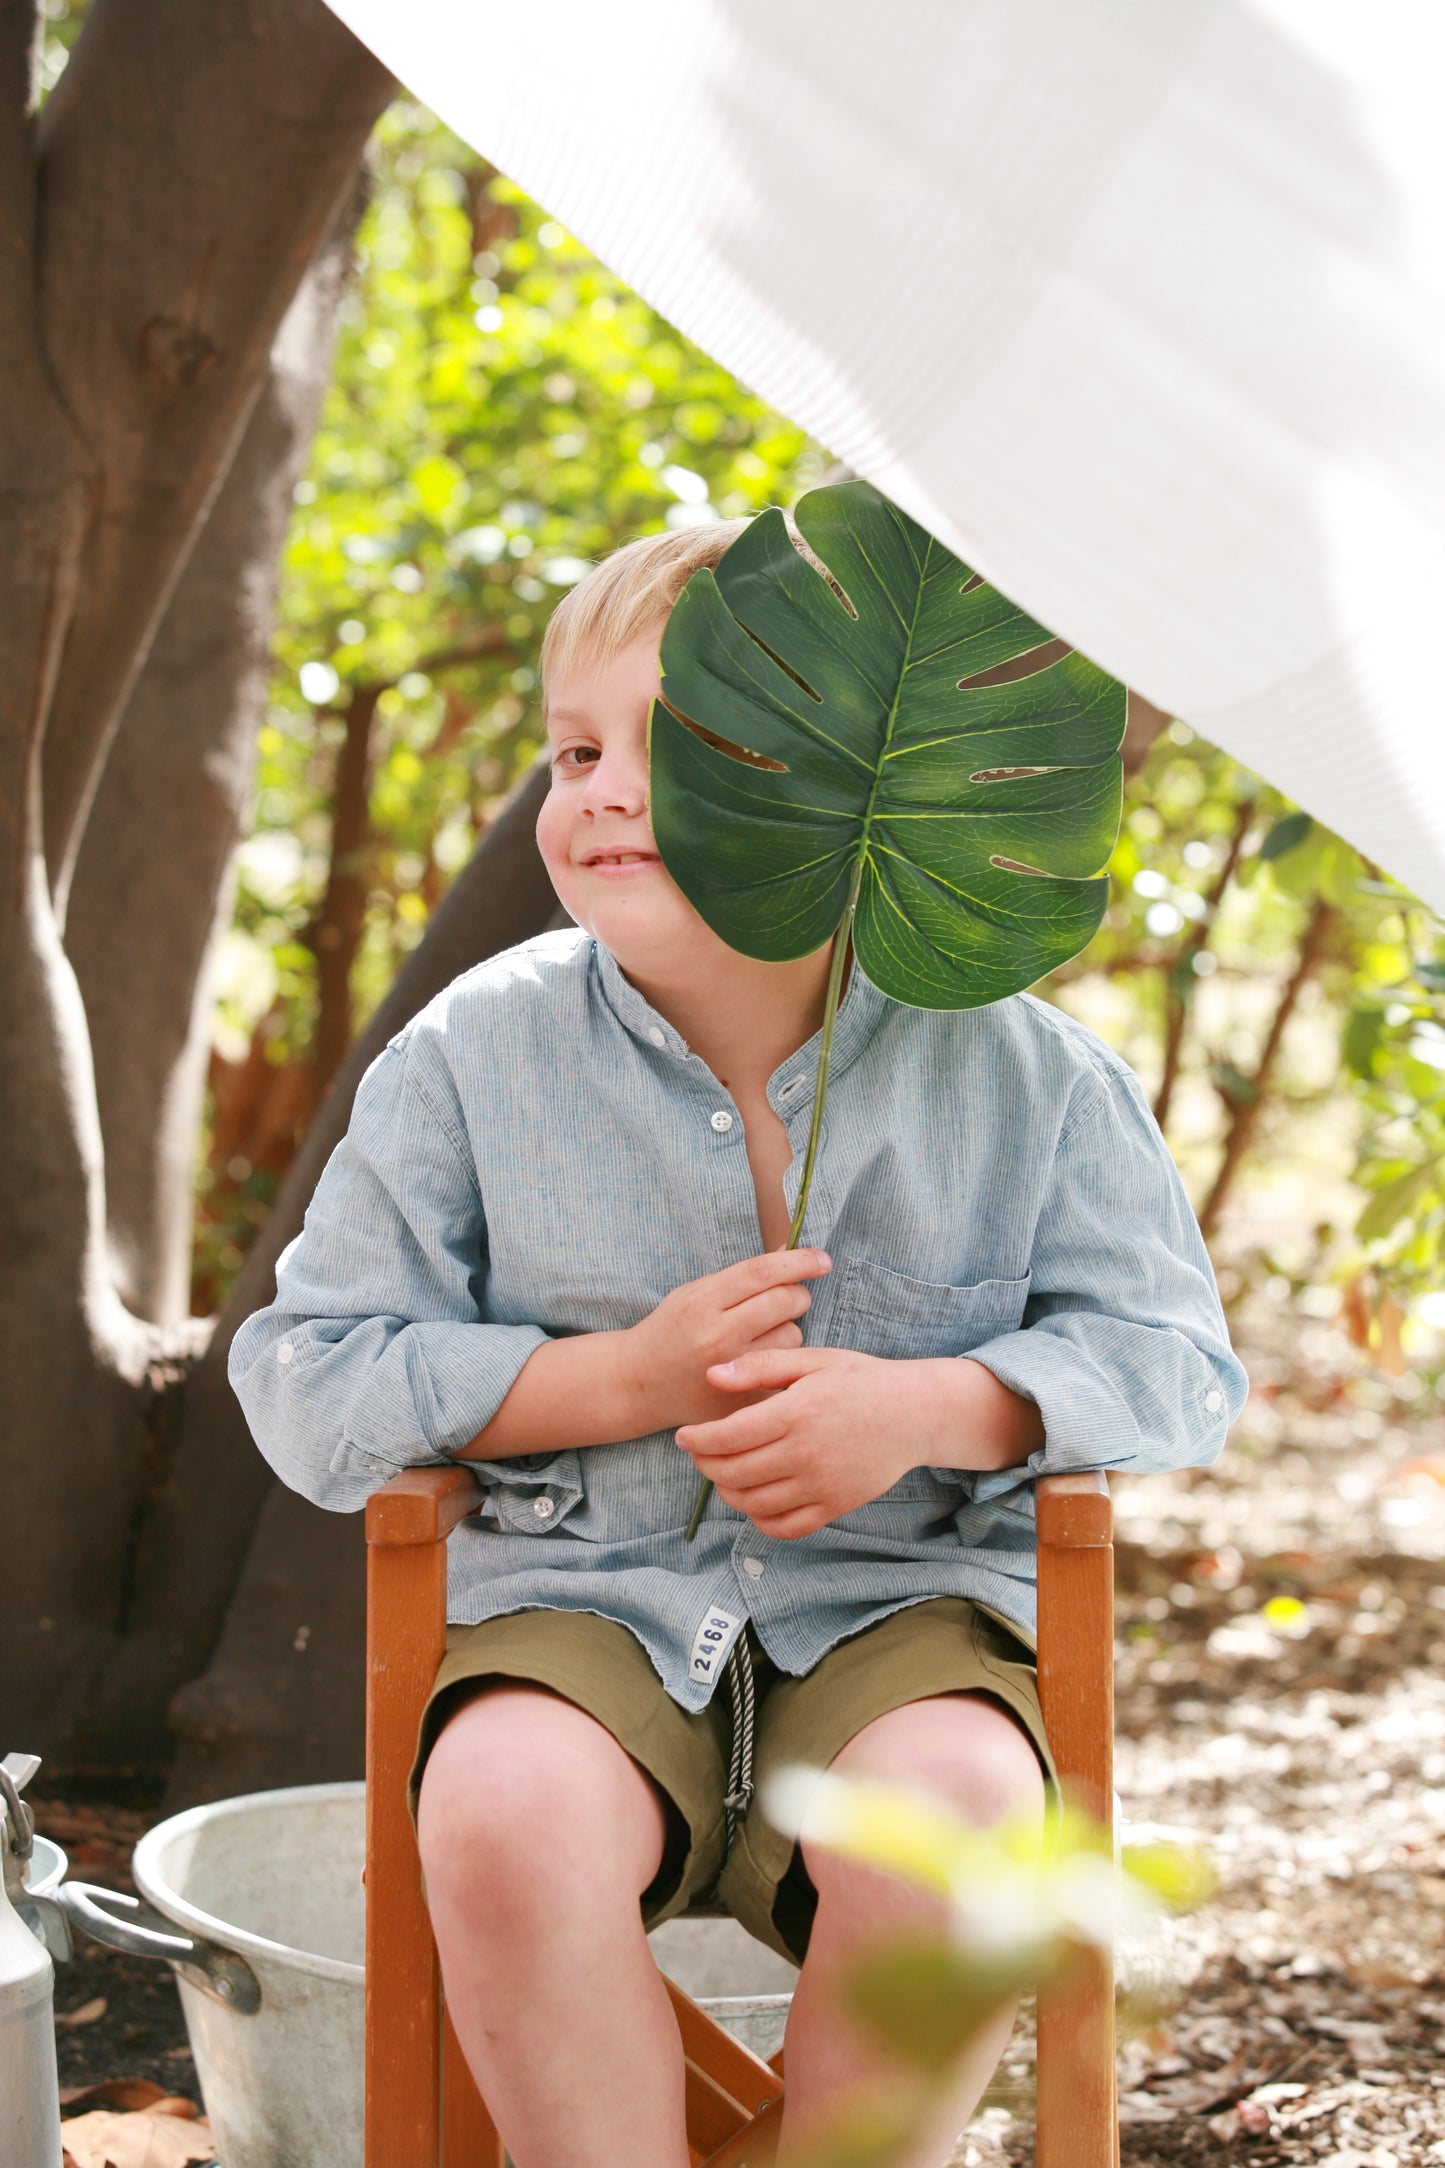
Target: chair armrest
[
  {"x": 421, "y": 1505},
  {"x": 1075, "y": 1511}
]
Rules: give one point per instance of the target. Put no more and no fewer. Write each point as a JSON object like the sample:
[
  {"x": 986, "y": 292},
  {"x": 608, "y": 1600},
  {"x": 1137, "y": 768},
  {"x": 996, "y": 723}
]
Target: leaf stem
[{"x": 841, "y": 942}]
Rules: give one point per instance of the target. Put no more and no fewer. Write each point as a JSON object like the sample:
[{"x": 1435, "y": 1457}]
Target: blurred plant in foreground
[{"x": 1024, "y": 1903}]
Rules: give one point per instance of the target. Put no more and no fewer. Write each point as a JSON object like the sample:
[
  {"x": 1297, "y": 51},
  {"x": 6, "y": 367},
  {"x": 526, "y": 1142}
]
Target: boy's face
[{"x": 594, "y": 832}]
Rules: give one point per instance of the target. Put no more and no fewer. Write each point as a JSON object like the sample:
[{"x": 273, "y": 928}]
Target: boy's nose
[{"x": 617, "y": 787}]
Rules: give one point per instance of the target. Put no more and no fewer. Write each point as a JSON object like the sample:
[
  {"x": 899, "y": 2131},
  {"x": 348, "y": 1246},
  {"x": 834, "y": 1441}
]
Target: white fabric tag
[{"x": 711, "y": 1643}]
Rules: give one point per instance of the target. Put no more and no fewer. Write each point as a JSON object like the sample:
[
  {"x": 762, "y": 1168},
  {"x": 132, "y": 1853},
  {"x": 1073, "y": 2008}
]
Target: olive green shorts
[{"x": 942, "y": 1646}]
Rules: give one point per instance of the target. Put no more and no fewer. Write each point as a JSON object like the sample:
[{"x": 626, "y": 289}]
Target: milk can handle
[{"x": 206, "y": 1965}]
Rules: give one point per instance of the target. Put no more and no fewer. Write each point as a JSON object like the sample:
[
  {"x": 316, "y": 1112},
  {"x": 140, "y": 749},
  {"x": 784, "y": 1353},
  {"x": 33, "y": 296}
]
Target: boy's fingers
[
  {"x": 774, "y": 1306},
  {"x": 766, "y": 1499},
  {"x": 775, "y": 1268},
  {"x": 743, "y": 1432},
  {"x": 769, "y": 1366},
  {"x": 764, "y": 1465},
  {"x": 789, "y": 1527}
]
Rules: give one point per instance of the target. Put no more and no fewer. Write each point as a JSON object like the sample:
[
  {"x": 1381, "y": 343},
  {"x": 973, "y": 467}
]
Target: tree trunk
[
  {"x": 151, "y": 889},
  {"x": 217, "y": 1484},
  {"x": 191, "y": 164},
  {"x": 153, "y": 229}
]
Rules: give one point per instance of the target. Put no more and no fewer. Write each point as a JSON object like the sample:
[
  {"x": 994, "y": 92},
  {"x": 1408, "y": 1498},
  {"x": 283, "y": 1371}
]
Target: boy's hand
[
  {"x": 839, "y": 1429},
  {"x": 748, "y": 1309}
]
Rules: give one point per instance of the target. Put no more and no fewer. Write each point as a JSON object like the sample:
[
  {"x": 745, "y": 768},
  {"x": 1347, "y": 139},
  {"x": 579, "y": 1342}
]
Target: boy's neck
[{"x": 742, "y": 1017}]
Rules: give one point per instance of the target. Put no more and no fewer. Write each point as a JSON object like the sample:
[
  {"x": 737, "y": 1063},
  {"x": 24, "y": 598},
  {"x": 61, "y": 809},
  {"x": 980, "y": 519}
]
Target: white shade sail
[{"x": 1140, "y": 308}]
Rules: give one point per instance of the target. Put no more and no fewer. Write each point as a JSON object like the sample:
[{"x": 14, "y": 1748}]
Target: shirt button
[
  {"x": 657, "y": 1037},
  {"x": 285, "y": 1353},
  {"x": 1214, "y": 1402},
  {"x": 722, "y": 1121},
  {"x": 543, "y": 1508},
  {"x": 753, "y": 1568}
]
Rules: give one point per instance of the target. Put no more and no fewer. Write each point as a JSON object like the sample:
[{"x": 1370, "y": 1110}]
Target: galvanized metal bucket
[{"x": 257, "y": 1904}]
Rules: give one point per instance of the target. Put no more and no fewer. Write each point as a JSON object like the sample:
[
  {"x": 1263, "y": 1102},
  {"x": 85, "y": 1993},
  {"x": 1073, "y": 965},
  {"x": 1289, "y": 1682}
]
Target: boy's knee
[
  {"x": 524, "y": 1796},
  {"x": 963, "y": 1749}
]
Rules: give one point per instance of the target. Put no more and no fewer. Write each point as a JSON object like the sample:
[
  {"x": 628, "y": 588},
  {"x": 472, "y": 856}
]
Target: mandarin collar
[{"x": 859, "y": 1014}]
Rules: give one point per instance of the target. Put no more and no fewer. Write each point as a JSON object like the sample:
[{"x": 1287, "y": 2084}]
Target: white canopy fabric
[{"x": 1138, "y": 307}]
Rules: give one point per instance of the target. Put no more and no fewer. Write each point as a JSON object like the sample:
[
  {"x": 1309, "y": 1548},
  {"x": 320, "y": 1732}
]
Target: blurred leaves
[
  {"x": 503, "y": 413},
  {"x": 925, "y": 1999},
  {"x": 1026, "y": 1897}
]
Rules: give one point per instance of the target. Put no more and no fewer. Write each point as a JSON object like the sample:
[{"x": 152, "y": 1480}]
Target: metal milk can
[{"x": 29, "y": 2087}]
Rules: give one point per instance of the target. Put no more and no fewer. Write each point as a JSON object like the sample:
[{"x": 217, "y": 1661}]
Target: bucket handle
[{"x": 217, "y": 1972}]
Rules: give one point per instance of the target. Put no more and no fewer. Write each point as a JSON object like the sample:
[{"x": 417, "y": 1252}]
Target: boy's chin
[{"x": 646, "y": 944}]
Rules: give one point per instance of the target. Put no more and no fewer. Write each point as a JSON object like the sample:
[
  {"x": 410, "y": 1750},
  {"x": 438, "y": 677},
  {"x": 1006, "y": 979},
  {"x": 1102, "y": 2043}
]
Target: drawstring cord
[{"x": 740, "y": 1764}]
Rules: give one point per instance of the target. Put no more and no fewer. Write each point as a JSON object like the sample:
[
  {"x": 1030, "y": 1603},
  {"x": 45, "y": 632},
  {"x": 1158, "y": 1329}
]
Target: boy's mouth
[{"x": 600, "y": 861}]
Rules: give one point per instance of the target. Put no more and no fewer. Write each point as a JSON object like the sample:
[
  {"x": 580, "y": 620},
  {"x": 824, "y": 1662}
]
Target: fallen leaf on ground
[
  {"x": 154, "y": 2138},
  {"x": 1247, "y": 2118},
  {"x": 128, "y": 2094},
  {"x": 86, "y": 2014}
]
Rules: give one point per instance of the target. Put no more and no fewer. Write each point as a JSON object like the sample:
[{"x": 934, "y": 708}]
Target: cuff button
[
  {"x": 543, "y": 1508},
  {"x": 1214, "y": 1402}
]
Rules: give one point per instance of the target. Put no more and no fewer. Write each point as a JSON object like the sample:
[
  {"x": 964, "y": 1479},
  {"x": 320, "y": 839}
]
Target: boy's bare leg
[
  {"x": 962, "y": 1748},
  {"x": 538, "y": 1835}
]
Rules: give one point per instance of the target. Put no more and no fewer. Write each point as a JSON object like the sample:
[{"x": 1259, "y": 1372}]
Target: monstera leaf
[
  {"x": 818, "y": 754},
  {"x": 822, "y": 765}
]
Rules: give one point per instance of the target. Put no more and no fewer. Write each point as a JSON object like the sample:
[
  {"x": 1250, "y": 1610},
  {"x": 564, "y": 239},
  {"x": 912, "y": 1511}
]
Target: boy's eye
[{"x": 582, "y": 754}]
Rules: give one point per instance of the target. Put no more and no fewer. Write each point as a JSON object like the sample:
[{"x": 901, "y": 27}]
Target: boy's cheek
[{"x": 553, "y": 838}]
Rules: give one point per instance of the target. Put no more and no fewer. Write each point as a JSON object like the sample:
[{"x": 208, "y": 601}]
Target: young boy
[{"x": 551, "y": 1245}]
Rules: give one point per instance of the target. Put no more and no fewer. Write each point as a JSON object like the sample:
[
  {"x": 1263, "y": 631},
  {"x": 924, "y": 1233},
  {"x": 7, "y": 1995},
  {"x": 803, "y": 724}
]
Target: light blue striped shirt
[{"x": 535, "y": 1153}]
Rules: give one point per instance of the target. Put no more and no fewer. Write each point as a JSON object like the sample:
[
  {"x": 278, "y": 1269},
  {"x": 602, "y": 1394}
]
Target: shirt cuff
[
  {"x": 457, "y": 1376},
  {"x": 1089, "y": 1418}
]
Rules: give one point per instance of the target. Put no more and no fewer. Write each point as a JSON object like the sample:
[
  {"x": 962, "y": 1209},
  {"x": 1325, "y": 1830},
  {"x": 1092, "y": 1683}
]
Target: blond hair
[{"x": 626, "y": 593}]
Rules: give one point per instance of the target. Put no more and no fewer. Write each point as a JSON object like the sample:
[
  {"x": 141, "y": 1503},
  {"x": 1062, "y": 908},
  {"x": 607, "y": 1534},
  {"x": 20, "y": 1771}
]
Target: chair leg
[
  {"x": 727, "y": 2085},
  {"x": 470, "y": 2137},
  {"x": 1077, "y": 2067},
  {"x": 1077, "y": 2088},
  {"x": 406, "y": 1635}
]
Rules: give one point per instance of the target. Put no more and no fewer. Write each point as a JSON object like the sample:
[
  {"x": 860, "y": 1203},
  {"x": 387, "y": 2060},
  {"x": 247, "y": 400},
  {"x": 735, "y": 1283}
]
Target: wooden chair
[{"x": 422, "y": 2109}]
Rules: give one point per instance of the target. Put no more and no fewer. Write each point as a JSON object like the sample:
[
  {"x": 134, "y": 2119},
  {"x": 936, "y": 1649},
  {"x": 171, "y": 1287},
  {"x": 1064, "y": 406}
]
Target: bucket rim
[
  {"x": 149, "y": 1880},
  {"x": 46, "y": 1884}
]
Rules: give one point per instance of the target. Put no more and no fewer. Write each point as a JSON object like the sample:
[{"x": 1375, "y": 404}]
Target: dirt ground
[{"x": 1281, "y": 1690}]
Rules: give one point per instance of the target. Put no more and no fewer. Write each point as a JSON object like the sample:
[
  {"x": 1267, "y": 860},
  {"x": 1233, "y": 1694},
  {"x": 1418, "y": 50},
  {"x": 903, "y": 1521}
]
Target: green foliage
[
  {"x": 1026, "y": 1897},
  {"x": 1394, "y": 1046},
  {"x": 503, "y": 413},
  {"x": 969, "y": 823},
  {"x": 1172, "y": 942}
]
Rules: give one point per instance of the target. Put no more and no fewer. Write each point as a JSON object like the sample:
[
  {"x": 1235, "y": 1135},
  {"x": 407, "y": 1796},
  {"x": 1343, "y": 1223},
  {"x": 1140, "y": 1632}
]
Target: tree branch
[
  {"x": 1244, "y": 1115},
  {"x": 169, "y": 254},
  {"x": 334, "y": 934},
  {"x": 1179, "y": 981}
]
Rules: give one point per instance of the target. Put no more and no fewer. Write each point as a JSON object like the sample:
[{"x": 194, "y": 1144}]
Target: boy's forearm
[
  {"x": 980, "y": 1422},
  {"x": 580, "y": 1390}
]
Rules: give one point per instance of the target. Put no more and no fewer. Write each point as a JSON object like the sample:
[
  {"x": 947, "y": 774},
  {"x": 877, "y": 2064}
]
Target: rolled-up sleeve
[
  {"x": 1123, "y": 1345},
  {"x": 374, "y": 1355}
]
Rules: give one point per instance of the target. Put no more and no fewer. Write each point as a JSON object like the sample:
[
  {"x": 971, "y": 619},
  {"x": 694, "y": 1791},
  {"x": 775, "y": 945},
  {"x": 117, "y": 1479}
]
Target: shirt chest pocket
[{"x": 883, "y": 1312}]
